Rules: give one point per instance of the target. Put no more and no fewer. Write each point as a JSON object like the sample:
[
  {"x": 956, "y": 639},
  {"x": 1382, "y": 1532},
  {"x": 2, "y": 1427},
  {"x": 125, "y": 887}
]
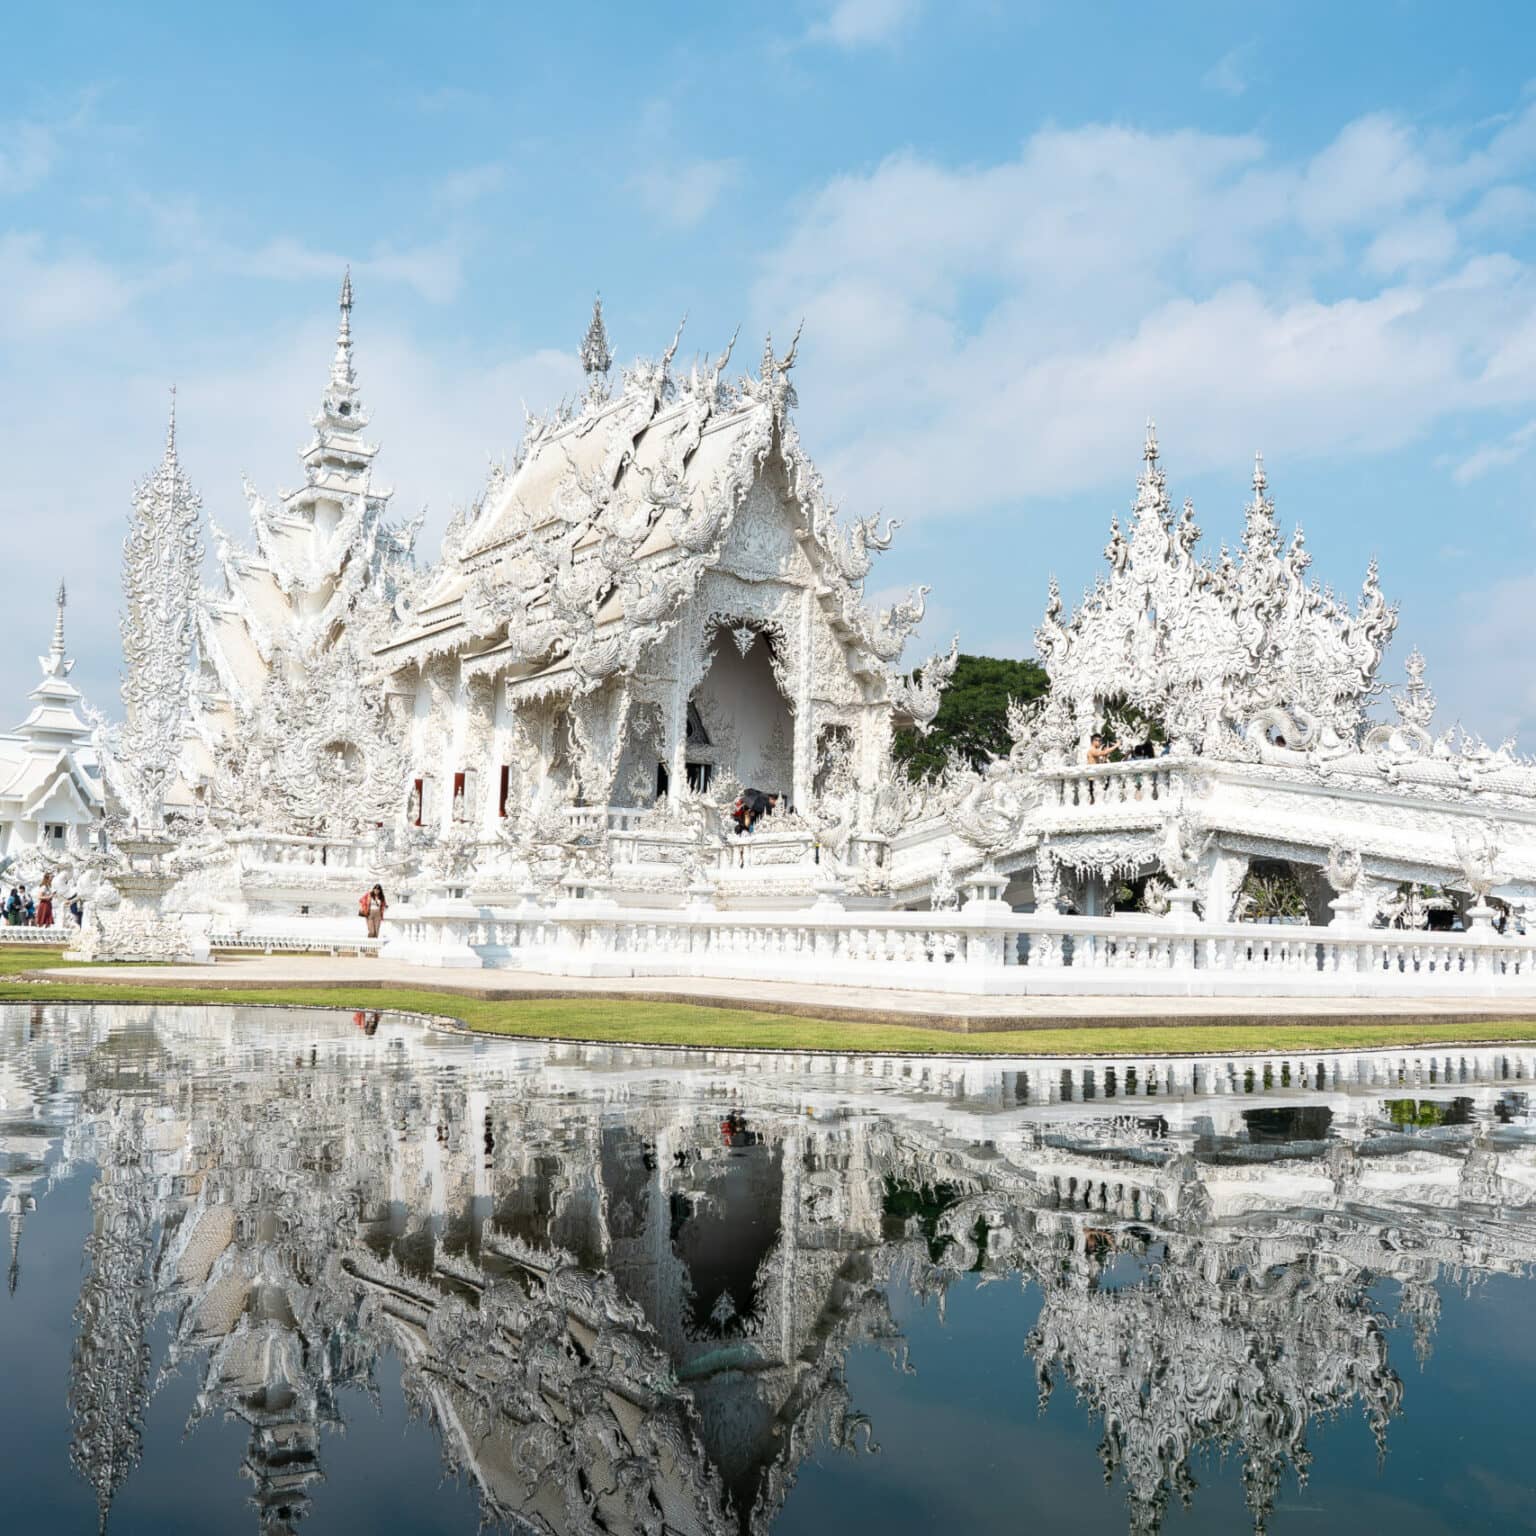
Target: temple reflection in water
[{"x": 623, "y": 1287}]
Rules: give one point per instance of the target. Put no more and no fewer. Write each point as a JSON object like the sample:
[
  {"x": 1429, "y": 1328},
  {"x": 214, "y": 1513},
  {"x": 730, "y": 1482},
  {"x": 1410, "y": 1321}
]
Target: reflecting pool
[{"x": 278, "y": 1271}]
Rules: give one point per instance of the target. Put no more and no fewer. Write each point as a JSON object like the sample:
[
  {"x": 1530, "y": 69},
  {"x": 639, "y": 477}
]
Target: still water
[{"x": 279, "y": 1271}]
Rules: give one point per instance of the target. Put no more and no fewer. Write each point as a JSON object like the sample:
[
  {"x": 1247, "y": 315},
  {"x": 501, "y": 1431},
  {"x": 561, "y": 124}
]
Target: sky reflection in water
[{"x": 634, "y": 1291}]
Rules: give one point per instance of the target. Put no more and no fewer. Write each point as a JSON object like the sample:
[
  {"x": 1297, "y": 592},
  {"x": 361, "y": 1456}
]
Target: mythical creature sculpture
[
  {"x": 988, "y": 809},
  {"x": 1343, "y": 869},
  {"x": 919, "y": 694},
  {"x": 1184, "y": 848},
  {"x": 1481, "y": 854}
]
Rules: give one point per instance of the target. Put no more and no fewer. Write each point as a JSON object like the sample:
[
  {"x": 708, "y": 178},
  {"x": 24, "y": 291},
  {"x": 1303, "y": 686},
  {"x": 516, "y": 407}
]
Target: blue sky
[{"x": 1014, "y": 232}]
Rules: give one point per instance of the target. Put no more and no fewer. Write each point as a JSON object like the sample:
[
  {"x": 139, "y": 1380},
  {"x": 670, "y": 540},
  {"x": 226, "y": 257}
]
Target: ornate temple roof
[
  {"x": 586, "y": 551},
  {"x": 51, "y": 748},
  {"x": 316, "y": 553}
]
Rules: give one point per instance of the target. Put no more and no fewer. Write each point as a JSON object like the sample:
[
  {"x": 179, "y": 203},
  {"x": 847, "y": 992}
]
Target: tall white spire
[
  {"x": 342, "y": 376},
  {"x": 56, "y": 664},
  {"x": 54, "y": 722},
  {"x": 341, "y": 410},
  {"x": 57, "y": 648}
]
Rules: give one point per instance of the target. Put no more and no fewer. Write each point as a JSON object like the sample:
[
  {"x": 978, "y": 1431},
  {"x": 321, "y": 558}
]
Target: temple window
[{"x": 504, "y": 790}]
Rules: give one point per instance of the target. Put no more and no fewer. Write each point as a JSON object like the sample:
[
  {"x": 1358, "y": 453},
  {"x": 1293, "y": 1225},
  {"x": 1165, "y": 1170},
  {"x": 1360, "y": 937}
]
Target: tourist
[
  {"x": 77, "y": 910},
  {"x": 45, "y": 902},
  {"x": 13, "y": 907},
  {"x": 374, "y": 907},
  {"x": 1098, "y": 753},
  {"x": 28, "y": 909}
]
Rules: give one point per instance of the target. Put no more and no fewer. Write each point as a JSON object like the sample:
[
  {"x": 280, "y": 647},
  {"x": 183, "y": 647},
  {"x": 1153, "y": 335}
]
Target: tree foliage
[{"x": 973, "y": 715}]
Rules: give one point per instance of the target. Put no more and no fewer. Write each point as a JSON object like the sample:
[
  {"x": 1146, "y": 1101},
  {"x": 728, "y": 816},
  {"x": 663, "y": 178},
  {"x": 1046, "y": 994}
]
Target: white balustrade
[
  {"x": 1007, "y": 953},
  {"x": 1148, "y": 781},
  {"x": 279, "y": 853},
  {"x": 60, "y": 933}
]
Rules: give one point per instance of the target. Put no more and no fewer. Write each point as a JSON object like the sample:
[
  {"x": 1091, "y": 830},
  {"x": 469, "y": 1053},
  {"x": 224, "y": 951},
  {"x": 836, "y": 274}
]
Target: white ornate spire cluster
[
  {"x": 162, "y": 569},
  {"x": 596, "y": 354},
  {"x": 1193, "y": 642},
  {"x": 1416, "y": 704},
  {"x": 291, "y": 732}
]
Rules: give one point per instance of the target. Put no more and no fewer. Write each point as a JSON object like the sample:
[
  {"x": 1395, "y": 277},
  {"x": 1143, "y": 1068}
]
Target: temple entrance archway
[{"x": 740, "y": 720}]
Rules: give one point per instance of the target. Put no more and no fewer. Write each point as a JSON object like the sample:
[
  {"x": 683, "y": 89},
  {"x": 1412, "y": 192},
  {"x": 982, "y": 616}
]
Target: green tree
[{"x": 973, "y": 715}]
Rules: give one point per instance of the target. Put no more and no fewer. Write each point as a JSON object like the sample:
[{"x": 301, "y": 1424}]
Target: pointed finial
[
  {"x": 342, "y": 376},
  {"x": 58, "y": 622},
  {"x": 1149, "y": 448},
  {"x": 1260, "y": 480},
  {"x": 596, "y": 355},
  {"x": 170, "y": 431}
]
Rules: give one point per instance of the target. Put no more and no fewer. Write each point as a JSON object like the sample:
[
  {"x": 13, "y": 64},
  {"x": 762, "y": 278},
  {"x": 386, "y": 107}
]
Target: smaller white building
[{"x": 51, "y": 801}]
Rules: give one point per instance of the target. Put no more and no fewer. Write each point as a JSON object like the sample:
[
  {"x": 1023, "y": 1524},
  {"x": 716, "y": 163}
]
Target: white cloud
[
  {"x": 681, "y": 195},
  {"x": 27, "y": 152},
  {"x": 852, "y": 24},
  {"x": 1426, "y": 239},
  {"x": 462, "y": 189},
  {"x": 1481, "y": 681},
  {"x": 1373, "y": 168},
  {"x": 1229, "y": 74},
  {"x": 45, "y": 293},
  {"x": 1497, "y": 455},
  {"x": 1502, "y": 209},
  {"x": 193, "y": 242},
  {"x": 1050, "y": 302}
]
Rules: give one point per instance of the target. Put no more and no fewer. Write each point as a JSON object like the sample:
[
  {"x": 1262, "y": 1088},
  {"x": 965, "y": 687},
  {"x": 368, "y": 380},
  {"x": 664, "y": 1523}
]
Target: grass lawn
[{"x": 663, "y": 1023}]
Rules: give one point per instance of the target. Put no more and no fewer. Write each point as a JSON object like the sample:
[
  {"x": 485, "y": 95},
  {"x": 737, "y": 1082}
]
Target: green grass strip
[{"x": 626, "y": 1021}]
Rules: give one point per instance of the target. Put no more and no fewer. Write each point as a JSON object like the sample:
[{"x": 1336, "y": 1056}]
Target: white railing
[
  {"x": 976, "y": 951},
  {"x": 768, "y": 850},
  {"x": 273, "y": 851},
  {"x": 593, "y": 818},
  {"x": 1147, "y": 780},
  {"x": 59, "y": 933},
  {"x": 293, "y": 943}
]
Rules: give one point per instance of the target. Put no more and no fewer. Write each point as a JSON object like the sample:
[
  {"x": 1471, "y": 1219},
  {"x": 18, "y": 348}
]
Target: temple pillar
[
  {"x": 674, "y": 716},
  {"x": 1228, "y": 871},
  {"x": 804, "y": 724}
]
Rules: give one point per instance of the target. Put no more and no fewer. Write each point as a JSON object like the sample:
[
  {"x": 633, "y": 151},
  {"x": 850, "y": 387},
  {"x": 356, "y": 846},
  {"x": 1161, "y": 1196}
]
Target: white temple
[
  {"x": 537, "y": 741},
  {"x": 51, "y": 800}
]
